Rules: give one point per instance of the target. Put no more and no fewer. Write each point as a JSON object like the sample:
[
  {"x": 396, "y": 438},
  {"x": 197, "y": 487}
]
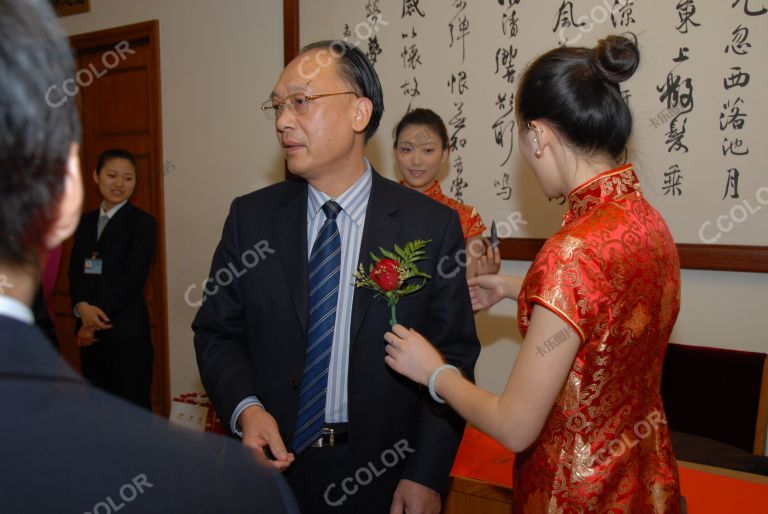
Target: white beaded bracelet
[{"x": 433, "y": 377}]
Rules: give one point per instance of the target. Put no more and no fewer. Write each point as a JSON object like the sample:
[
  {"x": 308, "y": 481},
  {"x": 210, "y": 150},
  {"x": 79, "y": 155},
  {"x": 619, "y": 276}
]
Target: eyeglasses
[{"x": 298, "y": 103}]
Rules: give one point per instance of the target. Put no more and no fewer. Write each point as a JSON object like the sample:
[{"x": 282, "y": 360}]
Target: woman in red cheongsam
[{"x": 582, "y": 405}]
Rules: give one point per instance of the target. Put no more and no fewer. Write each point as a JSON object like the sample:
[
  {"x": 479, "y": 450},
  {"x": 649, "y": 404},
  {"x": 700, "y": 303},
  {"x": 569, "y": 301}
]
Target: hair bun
[{"x": 615, "y": 58}]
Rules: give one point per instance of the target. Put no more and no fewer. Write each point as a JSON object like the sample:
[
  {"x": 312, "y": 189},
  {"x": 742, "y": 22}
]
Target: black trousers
[
  {"x": 122, "y": 367},
  {"x": 325, "y": 481}
]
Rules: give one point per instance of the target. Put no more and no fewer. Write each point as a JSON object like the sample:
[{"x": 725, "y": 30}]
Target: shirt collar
[
  {"x": 603, "y": 188},
  {"x": 13, "y": 308},
  {"x": 112, "y": 211},
  {"x": 353, "y": 201}
]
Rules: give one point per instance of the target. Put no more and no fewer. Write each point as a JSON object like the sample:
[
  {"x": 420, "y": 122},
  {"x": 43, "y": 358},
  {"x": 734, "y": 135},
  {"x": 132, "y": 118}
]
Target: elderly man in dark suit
[
  {"x": 68, "y": 447},
  {"x": 290, "y": 351}
]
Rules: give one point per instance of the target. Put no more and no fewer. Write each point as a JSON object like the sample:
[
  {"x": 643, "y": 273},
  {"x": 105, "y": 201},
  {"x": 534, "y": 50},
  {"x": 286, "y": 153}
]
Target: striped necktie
[
  {"x": 103, "y": 219},
  {"x": 324, "y": 273}
]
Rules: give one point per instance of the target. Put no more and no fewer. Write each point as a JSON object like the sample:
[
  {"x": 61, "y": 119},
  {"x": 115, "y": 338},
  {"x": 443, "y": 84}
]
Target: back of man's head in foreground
[{"x": 36, "y": 138}]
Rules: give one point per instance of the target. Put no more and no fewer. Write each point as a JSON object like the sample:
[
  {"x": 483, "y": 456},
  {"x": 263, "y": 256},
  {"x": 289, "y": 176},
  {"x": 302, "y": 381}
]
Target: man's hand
[
  {"x": 93, "y": 317},
  {"x": 413, "y": 498},
  {"x": 260, "y": 431}
]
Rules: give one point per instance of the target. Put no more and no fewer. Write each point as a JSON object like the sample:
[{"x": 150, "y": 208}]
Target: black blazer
[
  {"x": 250, "y": 336},
  {"x": 126, "y": 248},
  {"x": 69, "y": 446}
]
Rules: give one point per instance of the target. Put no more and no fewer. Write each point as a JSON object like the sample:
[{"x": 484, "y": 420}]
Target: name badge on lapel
[{"x": 93, "y": 265}]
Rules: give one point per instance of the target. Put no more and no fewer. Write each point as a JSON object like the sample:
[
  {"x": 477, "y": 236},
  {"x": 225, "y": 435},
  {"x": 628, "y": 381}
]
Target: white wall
[{"x": 219, "y": 61}]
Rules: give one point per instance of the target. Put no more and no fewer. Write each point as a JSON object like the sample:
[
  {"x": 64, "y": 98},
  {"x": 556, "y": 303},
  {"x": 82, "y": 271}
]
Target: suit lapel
[
  {"x": 381, "y": 230},
  {"x": 292, "y": 249}
]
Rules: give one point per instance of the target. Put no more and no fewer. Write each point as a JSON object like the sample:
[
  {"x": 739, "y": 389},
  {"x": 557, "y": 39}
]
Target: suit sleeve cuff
[{"x": 248, "y": 401}]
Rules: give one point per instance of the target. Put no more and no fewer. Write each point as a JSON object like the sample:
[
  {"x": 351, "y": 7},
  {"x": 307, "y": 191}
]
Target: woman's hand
[
  {"x": 489, "y": 262},
  {"x": 411, "y": 355},
  {"x": 93, "y": 317},
  {"x": 85, "y": 336},
  {"x": 486, "y": 291}
]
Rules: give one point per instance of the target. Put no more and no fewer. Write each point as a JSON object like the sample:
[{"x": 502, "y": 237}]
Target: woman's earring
[{"x": 538, "y": 152}]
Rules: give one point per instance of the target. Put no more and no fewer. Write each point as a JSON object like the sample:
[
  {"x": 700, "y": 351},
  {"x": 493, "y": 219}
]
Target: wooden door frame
[{"x": 147, "y": 31}]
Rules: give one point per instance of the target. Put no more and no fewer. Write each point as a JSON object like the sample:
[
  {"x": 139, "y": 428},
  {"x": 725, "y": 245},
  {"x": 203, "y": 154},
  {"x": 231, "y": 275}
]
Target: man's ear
[
  {"x": 70, "y": 202},
  {"x": 363, "y": 112}
]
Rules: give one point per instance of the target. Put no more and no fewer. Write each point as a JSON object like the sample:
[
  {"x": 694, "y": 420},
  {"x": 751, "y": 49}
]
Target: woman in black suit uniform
[{"x": 108, "y": 269}]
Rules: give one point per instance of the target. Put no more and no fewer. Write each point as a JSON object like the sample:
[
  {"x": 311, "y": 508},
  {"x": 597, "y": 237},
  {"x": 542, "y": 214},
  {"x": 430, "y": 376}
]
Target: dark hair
[
  {"x": 355, "y": 68},
  {"x": 35, "y": 133},
  {"x": 114, "y": 153},
  {"x": 577, "y": 91},
  {"x": 426, "y": 117}
]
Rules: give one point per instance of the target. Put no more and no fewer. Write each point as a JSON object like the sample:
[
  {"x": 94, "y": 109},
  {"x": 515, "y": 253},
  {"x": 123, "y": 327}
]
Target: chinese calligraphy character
[
  {"x": 747, "y": 10},
  {"x": 737, "y": 78},
  {"x": 685, "y": 11},
  {"x": 373, "y": 13},
  {"x": 410, "y": 7},
  {"x": 458, "y": 82},
  {"x": 503, "y": 189},
  {"x": 731, "y": 147},
  {"x": 504, "y": 126},
  {"x": 626, "y": 95},
  {"x": 675, "y": 136},
  {"x": 734, "y": 117},
  {"x": 412, "y": 34},
  {"x": 509, "y": 24},
  {"x": 374, "y": 49},
  {"x": 411, "y": 57},
  {"x": 565, "y": 17},
  {"x": 673, "y": 180},
  {"x": 670, "y": 92},
  {"x": 463, "y": 28},
  {"x": 624, "y": 12},
  {"x": 504, "y": 58},
  {"x": 410, "y": 90},
  {"x": 458, "y": 184},
  {"x": 682, "y": 55},
  {"x": 739, "y": 44},
  {"x": 732, "y": 184},
  {"x": 459, "y": 123}
]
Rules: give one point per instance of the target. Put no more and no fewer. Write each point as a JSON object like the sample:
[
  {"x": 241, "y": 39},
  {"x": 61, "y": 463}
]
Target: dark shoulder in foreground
[{"x": 78, "y": 449}]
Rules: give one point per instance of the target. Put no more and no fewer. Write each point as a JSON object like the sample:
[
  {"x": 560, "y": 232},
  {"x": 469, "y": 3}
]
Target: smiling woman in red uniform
[{"x": 108, "y": 269}]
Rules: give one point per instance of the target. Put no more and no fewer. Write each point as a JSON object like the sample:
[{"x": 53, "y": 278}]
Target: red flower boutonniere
[{"x": 387, "y": 276}]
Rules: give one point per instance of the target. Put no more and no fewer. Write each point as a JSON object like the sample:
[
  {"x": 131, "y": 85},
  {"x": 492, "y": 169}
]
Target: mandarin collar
[{"x": 603, "y": 188}]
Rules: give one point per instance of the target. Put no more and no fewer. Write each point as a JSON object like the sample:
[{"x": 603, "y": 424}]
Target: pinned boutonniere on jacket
[{"x": 387, "y": 276}]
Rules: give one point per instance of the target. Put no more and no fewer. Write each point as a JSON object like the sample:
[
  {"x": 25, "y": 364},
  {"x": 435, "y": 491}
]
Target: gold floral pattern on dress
[
  {"x": 638, "y": 321},
  {"x": 612, "y": 271}
]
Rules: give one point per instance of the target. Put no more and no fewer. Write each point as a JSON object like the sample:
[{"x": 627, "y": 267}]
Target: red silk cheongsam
[{"x": 612, "y": 273}]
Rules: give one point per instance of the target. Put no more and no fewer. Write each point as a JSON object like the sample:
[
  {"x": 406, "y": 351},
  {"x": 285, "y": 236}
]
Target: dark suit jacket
[
  {"x": 68, "y": 446},
  {"x": 126, "y": 248},
  {"x": 250, "y": 336}
]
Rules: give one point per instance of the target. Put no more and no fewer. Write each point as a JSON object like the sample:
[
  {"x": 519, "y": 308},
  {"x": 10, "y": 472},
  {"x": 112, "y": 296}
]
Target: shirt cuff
[
  {"x": 74, "y": 309},
  {"x": 248, "y": 401}
]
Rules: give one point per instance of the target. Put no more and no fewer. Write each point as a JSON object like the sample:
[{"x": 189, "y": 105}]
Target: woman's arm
[{"x": 515, "y": 417}]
